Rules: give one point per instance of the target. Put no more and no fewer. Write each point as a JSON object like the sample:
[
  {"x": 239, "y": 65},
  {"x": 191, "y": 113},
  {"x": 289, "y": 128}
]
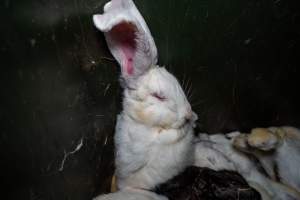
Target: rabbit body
[
  {"x": 147, "y": 156},
  {"x": 154, "y": 132},
  {"x": 277, "y": 149},
  {"x": 287, "y": 159},
  {"x": 153, "y": 138},
  {"x": 222, "y": 155}
]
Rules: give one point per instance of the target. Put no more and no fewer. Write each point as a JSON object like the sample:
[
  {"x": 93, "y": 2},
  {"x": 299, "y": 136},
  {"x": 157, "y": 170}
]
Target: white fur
[
  {"x": 116, "y": 12},
  {"x": 154, "y": 132},
  {"x": 145, "y": 158},
  {"x": 222, "y": 155},
  {"x": 285, "y": 154},
  {"x": 287, "y": 157},
  {"x": 288, "y": 161},
  {"x": 153, "y": 139}
]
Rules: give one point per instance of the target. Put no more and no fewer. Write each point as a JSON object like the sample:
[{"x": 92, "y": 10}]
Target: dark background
[{"x": 60, "y": 91}]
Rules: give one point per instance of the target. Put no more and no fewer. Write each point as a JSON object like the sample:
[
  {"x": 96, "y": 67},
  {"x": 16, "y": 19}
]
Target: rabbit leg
[{"x": 263, "y": 139}]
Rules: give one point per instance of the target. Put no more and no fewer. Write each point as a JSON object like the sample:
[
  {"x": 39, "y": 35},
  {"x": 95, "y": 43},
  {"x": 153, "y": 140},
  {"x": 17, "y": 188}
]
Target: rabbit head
[{"x": 152, "y": 96}]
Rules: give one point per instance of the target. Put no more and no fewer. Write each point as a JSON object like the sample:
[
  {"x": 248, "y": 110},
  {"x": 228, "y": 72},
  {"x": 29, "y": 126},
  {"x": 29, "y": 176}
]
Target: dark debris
[{"x": 197, "y": 183}]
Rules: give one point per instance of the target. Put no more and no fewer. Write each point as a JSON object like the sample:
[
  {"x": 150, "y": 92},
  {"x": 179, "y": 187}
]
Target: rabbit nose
[
  {"x": 195, "y": 116},
  {"x": 191, "y": 116}
]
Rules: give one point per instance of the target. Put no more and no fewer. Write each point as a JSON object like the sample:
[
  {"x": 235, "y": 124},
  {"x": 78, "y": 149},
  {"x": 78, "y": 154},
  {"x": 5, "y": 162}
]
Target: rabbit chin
[{"x": 158, "y": 117}]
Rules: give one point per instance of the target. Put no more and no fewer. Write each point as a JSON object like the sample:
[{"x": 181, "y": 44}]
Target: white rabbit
[
  {"x": 217, "y": 152},
  {"x": 154, "y": 132},
  {"x": 277, "y": 149},
  {"x": 129, "y": 194}
]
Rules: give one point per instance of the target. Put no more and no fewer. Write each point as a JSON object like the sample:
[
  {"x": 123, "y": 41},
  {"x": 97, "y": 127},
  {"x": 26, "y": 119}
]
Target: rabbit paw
[
  {"x": 240, "y": 142},
  {"x": 262, "y": 139}
]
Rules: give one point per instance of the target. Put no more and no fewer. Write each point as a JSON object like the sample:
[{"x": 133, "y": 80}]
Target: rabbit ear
[{"x": 128, "y": 37}]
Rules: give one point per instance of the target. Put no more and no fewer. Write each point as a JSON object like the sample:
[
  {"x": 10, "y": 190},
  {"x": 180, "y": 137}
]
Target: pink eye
[{"x": 158, "y": 96}]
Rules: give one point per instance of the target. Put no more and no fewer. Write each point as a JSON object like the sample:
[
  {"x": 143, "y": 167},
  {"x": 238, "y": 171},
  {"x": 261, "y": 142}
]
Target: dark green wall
[{"x": 59, "y": 84}]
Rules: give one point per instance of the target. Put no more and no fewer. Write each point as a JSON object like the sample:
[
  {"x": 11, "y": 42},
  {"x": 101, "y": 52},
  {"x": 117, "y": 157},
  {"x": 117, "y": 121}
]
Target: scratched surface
[{"x": 60, "y": 93}]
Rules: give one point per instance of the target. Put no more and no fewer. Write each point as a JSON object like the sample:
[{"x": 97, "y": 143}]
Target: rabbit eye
[{"x": 158, "y": 96}]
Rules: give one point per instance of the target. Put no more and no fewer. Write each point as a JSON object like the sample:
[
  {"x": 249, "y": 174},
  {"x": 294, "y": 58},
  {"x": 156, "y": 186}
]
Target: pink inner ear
[{"x": 124, "y": 36}]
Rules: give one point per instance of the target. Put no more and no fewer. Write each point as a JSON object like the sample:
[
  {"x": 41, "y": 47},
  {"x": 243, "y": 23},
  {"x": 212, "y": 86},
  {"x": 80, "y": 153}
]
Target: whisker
[
  {"x": 190, "y": 97},
  {"x": 183, "y": 82},
  {"x": 185, "y": 86},
  {"x": 190, "y": 89},
  {"x": 197, "y": 103},
  {"x": 188, "y": 83}
]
